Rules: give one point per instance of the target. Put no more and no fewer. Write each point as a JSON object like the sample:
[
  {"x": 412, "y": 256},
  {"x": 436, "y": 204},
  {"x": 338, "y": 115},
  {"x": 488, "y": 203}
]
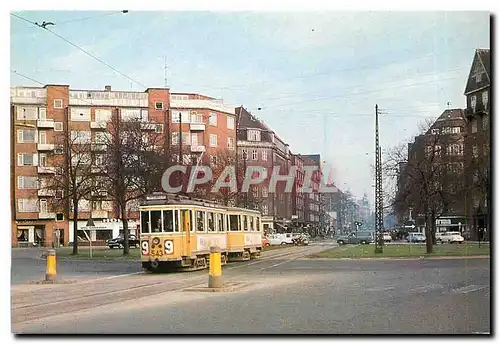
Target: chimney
[{"x": 107, "y": 88}]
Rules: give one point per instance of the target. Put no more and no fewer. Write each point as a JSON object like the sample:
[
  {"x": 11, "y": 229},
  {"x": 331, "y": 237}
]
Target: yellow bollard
[
  {"x": 50, "y": 274},
  {"x": 215, "y": 275}
]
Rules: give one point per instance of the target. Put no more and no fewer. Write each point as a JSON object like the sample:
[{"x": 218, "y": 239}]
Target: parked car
[
  {"x": 133, "y": 241},
  {"x": 265, "y": 242},
  {"x": 387, "y": 237},
  {"x": 452, "y": 237},
  {"x": 356, "y": 238},
  {"x": 415, "y": 237},
  {"x": 281, "y": 239}
]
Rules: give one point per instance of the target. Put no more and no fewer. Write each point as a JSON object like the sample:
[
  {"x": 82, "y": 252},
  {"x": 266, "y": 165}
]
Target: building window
[
  {"x": 264, "y": 155},
  {"x": 213, "y": 159},
  {"x": 478, "y": 77},
  {"x": 473, "y": 102},
  {"x": 253, "y": 135},
  {"x": 473, "y": 125},
  {"x": 81, "y": 137},
  {"x": 175, "y": 138},
  {"x": 25, "y": 182},
  {"x": 58, "y": 126},
  {"x": 27, "y": 205},
  {"x": 213, "y": 140},
  {"x": 485, "y": 99},
  {"x": 264, "y": 209},
  {"x": 27, "y": 113},
  {"x": 244, "y": 154},
  {"x": 455, "y": 130},
  {"x": 158, "y": 106},
  {"x": 26, "y": 136},
  {"x": 230, "y": 143},
  {"x": 196, "y": 118},
  {"x": 255, "y": 154},
  {"x": 485, "y": 122},
  {"x": 435, "y": 131},
  {"x": 264, "y": 191},
  {"x": 212, "y": 120},
  {"x": 474, "y": 151},
  {"x": 58, "y": 104},
  {"x": 42, "y": 113},
  {"x": 230, "y": 122},
  {"x": 27, "y": 159}
]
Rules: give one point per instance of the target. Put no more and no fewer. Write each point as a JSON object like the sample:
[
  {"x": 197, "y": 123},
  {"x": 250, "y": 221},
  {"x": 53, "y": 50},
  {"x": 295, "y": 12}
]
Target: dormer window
[{"x": 253, "y": 135}]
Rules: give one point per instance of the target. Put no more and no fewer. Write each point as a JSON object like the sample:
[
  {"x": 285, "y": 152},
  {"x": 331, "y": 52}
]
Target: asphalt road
[
  {"x": 26, "y": 265},
  {"x": 286, "y": 295}
]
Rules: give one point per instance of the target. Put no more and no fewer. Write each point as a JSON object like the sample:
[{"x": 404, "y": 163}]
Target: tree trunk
[
  {"x": 75, "y": 227},
  {"x": 126, "y": 249},
  {"x": 428, "y": 234}
]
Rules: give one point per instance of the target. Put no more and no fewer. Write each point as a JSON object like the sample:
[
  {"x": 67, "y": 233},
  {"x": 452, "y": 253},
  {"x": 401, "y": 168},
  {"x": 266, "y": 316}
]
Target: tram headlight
[{"x": 156, "y": 241}]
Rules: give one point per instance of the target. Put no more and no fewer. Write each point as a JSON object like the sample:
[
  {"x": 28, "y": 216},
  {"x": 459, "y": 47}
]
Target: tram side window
[
  {"x": 257, "y": 222},
  {"x": 191, "y": 221},
  {"x": 252, "y": 227},
  {"x": 245, "y": 222},
  {"x": 168, "y": 221},
  {"x": 211, "y": 222},
  {"x": 144, "y": 221},
  {"x": 234, "y": 222},
  {"x": 156, "y": 221},
  {"x": 220, "y": 222},
  {"x": 200, "y": 221}
]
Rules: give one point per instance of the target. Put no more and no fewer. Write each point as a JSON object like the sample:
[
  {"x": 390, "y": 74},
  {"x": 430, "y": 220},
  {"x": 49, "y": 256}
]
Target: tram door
[{"x": 186, "y": 228}]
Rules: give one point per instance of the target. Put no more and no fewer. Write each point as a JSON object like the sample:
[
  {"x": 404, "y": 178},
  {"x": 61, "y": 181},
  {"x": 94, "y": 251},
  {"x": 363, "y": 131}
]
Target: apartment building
[
  {"x": 261, "y": 146},
  {"x": 477, "y": 143},
  {"x": 40, "y": 114},
  {"x": 314, "y": 203}
]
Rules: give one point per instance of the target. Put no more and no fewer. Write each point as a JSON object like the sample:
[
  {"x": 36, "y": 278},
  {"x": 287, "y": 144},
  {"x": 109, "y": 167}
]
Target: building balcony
[
  {"x": 149, "y": 126},
  {"x": 46, "y": 169},
  {"x": 46, "y": 193},
  {"x": 99, "y": 214},
  {"x": 197, "y": 127},
  {"x": 45, "y": 146},
  {"x": 98, "y": 147},
  {"x": 198, "y": 149},
  {"x": 479, "y": 108},
  {"x": 45, "y": 123},
  {"x": 98, "y": 125},
  {"x": 45, "y": 215},
  {"x": 99, "y": 169}
]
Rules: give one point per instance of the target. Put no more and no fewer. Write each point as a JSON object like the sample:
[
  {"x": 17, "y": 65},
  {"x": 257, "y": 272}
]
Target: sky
[{"x": 315, "y": 75}]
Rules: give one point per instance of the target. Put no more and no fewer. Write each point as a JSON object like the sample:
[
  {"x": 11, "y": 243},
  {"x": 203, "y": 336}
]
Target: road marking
[
  {"x": 110, "y": 277},
  {"x": 425, "y": 288},
  {"x": 468, "y": 289}
]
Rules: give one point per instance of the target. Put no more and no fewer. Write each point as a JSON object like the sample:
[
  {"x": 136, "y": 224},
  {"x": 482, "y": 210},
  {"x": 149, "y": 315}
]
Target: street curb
[{"x": 404, "y": 258}]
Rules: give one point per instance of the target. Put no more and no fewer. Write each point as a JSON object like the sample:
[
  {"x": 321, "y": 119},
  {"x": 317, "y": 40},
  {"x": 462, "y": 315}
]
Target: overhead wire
[{"x": 81, "y": 49}]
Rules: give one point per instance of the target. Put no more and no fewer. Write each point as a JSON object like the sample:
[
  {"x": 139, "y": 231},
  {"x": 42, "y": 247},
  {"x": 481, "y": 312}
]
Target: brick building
[
  {"x": 39, "y": 114},
  {"x": 477, "y": 142}
]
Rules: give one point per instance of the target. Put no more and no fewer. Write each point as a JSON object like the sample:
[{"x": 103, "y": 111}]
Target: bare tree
[
  {"x": 73, "y": 180},
  {"x": 135, "y": 162},
  {"x": 431, "y": 181}
]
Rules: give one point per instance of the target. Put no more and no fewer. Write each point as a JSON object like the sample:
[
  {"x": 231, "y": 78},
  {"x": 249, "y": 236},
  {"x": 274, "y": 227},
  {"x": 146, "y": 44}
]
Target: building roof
[
  {"x": 451, "y": 114},
  {"x": 481, "y": 62},
  {"x": 484, "y": 55}
]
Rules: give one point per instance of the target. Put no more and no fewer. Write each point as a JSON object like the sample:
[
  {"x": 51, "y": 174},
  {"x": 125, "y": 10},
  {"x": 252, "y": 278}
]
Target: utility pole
[
  {"x": 379, "y": 214},
  {"x": 245, "y": 154},
  {"x": 181, "y": 161}
]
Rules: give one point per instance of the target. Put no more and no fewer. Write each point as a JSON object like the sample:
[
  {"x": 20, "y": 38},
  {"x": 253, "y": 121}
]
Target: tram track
[{"x": 72, "y": 298}]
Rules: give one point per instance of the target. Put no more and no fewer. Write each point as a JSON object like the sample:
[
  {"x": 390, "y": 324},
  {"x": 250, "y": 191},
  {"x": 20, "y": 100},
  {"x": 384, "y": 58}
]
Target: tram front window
[
  {"x": 155, "y": 221},
  {"x": 233, "y": 220},
  {"x": 145, "y": 222},
  {"x": 168, "y": 221}
]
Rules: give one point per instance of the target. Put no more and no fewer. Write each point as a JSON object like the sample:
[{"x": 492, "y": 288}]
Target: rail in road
[{"x": 58, "y": 299}]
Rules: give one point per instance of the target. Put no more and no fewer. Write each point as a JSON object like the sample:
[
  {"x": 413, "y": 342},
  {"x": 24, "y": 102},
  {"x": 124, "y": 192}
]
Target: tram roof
[{"x": 175, "y": 199}]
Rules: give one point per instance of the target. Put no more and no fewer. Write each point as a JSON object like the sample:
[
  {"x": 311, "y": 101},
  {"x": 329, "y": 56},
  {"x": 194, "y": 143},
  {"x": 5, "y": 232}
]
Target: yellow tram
[{"x": 177, "y": 232}]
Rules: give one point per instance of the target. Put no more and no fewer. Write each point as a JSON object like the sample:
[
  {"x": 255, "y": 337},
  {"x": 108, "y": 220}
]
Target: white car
[
  {"x": 451, "y": 237},
  {"x": 280, "y": 239},
  {"x": 387, "y": 237}
]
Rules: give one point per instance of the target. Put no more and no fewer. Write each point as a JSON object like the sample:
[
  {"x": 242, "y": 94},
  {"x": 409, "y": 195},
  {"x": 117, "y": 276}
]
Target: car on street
[
  {"x": 387, "y": 237},
  {"x": 133, "y": 241},
  {"x": 281, "y": 238},
  {"x": 451, "y": 238},
  {"x": 415, "y": 237},
  {"x": 356, "y": 238},
  {"x": 265, "y": 242}
]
